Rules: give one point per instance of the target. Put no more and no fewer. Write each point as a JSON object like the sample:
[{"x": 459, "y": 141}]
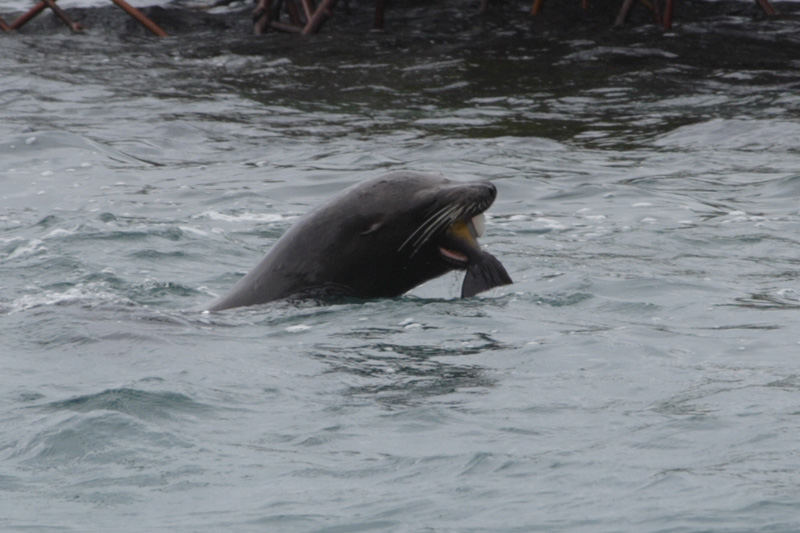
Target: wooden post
[
  {"x": 668, "y": 15},
  {"x": 323, "y": 11},
  {"x": 262, "y": 16},
  {"x": 139, "y": 16},
  {"x": 623, "y": 13},
  {"x": 767, "y": 7},
  {"x": 307, "y": 8},
  {"x": 282, "y": 26},
  {"x": 655, "y": 7},
  {"x": 25, "y": 17},
  {"x": 294, "y": 14},
  {"x": 380, "y": 5},
  {"x": 74, "y": 26}
]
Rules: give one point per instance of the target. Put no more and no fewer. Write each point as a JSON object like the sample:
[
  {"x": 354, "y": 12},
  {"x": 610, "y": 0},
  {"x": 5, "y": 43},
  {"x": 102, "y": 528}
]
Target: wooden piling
[
  {"x": 294, "y": 13},
  {"x": 380, "y": 6},
  {"x": 139, "y": 16},
  {"x": 307, "y": 16},
  {"x": 282, "y": 26},
  {"x": 74, "y": 26},
  {"x": 623, "y": 12},
  {"x": 668, "y": 15},
  {"x": 28, "y": 15},
  {"x": 262, "y": 16},
  {"x": 323, "y": 11},
  {"x": 767, "y": 7},
  {"x": 307, "y": 8}
]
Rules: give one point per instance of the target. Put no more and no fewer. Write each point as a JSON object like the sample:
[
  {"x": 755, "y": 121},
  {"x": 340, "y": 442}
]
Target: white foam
[
  {"x": 93, "y": 292},
  {"x": 550, "y": 223},
  {"x": 33, "y": 247},
  {"x": 246, "y": 217},
  {"x": 595, "y": 218},
  {"x": 193, "y": 231},
  {"x": 59, "y": 232}
]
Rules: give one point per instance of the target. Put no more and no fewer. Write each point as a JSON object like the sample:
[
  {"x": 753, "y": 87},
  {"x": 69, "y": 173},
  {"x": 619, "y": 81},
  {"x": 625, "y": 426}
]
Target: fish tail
[{"x": 484, "y": 273}]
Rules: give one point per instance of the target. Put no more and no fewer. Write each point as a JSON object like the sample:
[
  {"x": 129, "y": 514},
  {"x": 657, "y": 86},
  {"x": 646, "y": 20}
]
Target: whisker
[
  {"x": 413, "y": 239},
  {"x": 435, "y": 222},
  {"x": 429, "y": 225},
  {"x": 420, "y": 227},
  {"x": 445, "y": 218}
]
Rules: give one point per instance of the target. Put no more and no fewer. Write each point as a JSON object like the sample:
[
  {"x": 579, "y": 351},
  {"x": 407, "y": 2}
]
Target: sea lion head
[{"x": 420, "y": 226}]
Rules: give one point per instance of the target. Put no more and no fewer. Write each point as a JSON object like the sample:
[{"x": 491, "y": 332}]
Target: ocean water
[{"x": 642, "y": 374}]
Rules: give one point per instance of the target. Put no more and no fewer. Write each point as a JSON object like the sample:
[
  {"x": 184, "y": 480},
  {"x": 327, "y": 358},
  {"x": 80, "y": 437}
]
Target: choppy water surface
[{"x": 642, "y": 374}]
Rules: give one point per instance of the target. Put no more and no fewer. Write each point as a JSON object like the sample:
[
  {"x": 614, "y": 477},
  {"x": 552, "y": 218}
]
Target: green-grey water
[{"x": 641, "y": 374}]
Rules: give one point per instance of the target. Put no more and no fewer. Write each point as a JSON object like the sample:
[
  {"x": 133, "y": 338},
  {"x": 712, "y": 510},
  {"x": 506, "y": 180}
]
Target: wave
[
  {"x": 733, "y": 134},
  {"x": 89, "y": 294},
  {"x": 99, "y": 428},
  {"x": 246, "y": 217},
  {"x": 141, "y": 404}
]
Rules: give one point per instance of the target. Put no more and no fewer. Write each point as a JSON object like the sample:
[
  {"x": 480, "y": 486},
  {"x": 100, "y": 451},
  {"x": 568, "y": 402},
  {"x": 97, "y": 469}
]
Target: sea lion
[{"x": 378, "y": 239}]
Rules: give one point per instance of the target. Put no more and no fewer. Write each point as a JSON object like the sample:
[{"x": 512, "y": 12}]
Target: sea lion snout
[{"x": 491, "y": 188}]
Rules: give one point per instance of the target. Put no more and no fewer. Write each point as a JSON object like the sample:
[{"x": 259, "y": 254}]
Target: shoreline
[{"x": 444, "y": 18}]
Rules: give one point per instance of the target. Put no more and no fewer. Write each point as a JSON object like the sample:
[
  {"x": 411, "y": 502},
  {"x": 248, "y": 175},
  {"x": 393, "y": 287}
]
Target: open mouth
[
  {"x": 451, "y": 227},
  {"x": 459, "y": 248},
  {"x": 460, "y": 241},
  {"x": 451, "y": 230}
]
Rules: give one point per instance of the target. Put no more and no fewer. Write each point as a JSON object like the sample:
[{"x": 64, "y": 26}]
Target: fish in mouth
[
  {"x": 460, "y": 246},
  {"x": 455, "y": 229}
]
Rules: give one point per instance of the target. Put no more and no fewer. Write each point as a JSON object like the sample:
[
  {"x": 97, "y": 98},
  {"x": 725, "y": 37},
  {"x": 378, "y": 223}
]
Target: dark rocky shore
[{"x": 447, "y": 18}]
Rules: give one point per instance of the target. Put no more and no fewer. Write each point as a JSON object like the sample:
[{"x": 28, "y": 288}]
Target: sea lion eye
[{"x": 375, "y": 226}]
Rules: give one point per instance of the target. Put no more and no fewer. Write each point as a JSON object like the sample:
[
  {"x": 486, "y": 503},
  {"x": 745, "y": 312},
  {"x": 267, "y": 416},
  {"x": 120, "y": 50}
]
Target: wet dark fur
[{"x": 376, "y": 239}]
